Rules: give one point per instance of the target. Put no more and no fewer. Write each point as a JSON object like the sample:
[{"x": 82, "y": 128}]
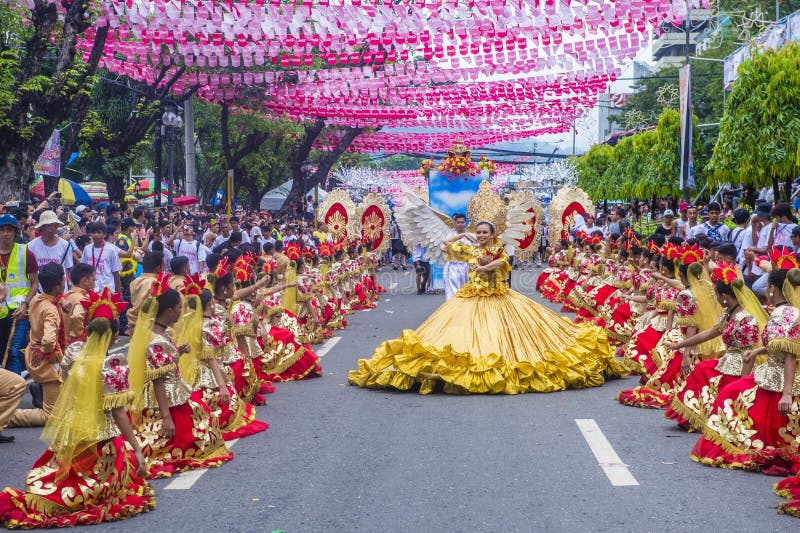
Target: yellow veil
[
  {"x": 137, "y": 350},
  {"x": 189, "y": 329},
  {"x": 750, "y": 303},
  {"x": 790, "y": 287},
  {"x": 289, "y": 295},
  {"x": 77, "y": 420},
  {"x": 708, "y": 311}
]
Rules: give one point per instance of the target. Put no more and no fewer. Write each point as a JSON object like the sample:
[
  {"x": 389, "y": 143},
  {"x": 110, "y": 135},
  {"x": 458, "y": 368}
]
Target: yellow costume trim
[
  {"x": 272, "y": 311},
  {"x": 667, "y": 305},
  {"x": 117, "y": 400},
  {"x": 211, "y": 353},
  {"x": 158, "y": 373},
  {"x": 242, "y": 330},
  {"x": 784, "y": 345},
  {"x": 686, "y": 321}
]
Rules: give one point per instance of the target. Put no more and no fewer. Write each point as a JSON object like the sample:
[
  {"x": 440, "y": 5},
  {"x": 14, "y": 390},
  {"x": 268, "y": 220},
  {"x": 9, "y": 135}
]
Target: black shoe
[
  {"x": 420, "y": 291},
  {"x": 5, "y": 439},
  {"x": 394, "y": 268},
  {"x": 404, "y": 268},
  {"x": 36, "y": 393}
]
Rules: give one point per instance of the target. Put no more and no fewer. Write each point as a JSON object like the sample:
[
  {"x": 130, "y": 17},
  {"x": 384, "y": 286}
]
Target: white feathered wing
[
  {"x": 420, "y": 223},
  {"x": 517, "y": 221}
]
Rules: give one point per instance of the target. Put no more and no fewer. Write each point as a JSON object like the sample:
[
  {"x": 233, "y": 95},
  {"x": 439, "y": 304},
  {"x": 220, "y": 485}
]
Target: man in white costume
[{"x": 455, "y": 273}]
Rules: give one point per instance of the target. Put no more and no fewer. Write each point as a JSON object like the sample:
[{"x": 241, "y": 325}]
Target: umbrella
[
  {"x": 147, "y": 187},
  {"x": 96, "y": 190},
  {"x": 185, "y": 200},
  {"x": 150, "y": 202},
  {"x": 36, "y": 189},
  {"x": 72, "y": 193}
]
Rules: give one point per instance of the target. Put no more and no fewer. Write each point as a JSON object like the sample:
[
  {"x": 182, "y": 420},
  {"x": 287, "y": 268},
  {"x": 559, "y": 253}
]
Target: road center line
[
  {"x": 616, "y": 471},
  {"x": 330, "y": 343},
  {"x": 186, "y": 480}
]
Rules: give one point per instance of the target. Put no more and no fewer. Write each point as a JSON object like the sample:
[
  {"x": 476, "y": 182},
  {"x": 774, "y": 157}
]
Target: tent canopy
[{"x": 273, "y": 200}]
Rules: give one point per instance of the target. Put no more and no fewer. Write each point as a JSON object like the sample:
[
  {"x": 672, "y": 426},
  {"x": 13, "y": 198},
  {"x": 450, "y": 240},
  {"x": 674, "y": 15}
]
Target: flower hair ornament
[
  {"x": 670, "y": 251},
  {"x": 325, "y": 250},
  {"x": 105, "y": 304},
  {"x": 159, "y": 285},
  {"x": 308, "y": 255},
  {"x": 783, "y": 258},
  {"x": 688, "y": 254},
  {"x": 653, "y": 248},
  {"x": 243, "y": 268},
  {"x": 269, "y": 265},
  {"x": 596, "y": 239},
  {"x": 724, "y": 272},
  {"x": 193, "y": 285},
  {"x": 221, "y": 268},
  {"x": 292, "y": 251}
]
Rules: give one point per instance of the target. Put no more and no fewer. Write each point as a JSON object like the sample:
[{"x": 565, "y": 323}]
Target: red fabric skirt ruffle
[
  {"x": 745, "y": 430},
  {"x": 115, "y": 492},
  {"x": 789, "y": 488}
]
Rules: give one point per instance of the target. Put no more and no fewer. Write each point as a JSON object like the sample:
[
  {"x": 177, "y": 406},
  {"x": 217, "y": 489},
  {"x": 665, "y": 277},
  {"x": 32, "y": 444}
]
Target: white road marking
[
  {"x": 616, "y": 471},
  {"x": 186, "y": 480},
  {"x": 392, "y": 286},
  {"x": 330, "y": 343},
  {"x": 119, "y": 348}
]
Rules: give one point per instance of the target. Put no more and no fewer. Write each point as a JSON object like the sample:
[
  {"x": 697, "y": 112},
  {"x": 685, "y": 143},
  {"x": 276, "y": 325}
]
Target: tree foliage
[
  {"x": 643, "y": 165},
  {"x": 759, "y": 142},
  {"x": 43, "y": 81}
]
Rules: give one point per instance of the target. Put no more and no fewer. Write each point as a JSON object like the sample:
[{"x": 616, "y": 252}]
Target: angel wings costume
[{"x": 489, "y": 338}]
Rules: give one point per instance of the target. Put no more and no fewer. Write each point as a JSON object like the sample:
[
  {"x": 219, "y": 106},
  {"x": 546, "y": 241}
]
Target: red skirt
[
  {"x": 745, "y": 430},
  {"x": 640, "y": 349},
  {"x": 103, "y": 478},
  {"x": 237, "y": 419},
  {"x": 197, "y": 443},
  {"x": 789, "y": 488},
  {"x": 657, "y": 393},
  {"x": 693, "y": 402},
  {"x": 293, "y": 360}
]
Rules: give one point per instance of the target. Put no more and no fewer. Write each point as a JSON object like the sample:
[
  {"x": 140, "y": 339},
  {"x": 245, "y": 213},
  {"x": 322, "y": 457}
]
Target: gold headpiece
[
  {"x": 488, "y": 206},
  {"x": 458, "y": 149}
]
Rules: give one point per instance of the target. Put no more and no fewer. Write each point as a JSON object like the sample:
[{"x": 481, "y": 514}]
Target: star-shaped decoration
[{"x": 667, "y": 95}]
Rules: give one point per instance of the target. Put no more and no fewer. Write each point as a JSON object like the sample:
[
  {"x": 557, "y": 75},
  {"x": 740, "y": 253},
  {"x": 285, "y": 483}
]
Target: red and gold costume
[
  {"x": 197, "y": 442},
  {"x": 744, "y": 428},
  {"x": 88, "y": 475},
  {"x": 692, "y": 403}
]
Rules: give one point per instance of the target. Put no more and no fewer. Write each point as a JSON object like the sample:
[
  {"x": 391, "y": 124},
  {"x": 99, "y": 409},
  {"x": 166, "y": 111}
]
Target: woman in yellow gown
[{"x": 490, "y": 339}]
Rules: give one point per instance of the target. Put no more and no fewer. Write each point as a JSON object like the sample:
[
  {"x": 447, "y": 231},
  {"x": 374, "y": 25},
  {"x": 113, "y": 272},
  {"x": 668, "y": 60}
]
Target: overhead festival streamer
[{"x": 491, "y": 70}]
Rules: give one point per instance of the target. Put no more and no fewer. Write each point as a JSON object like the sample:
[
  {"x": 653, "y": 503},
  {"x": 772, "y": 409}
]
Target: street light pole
[
  {"x": 173, "y": 122},
  {"x": 157, "y": 177}
]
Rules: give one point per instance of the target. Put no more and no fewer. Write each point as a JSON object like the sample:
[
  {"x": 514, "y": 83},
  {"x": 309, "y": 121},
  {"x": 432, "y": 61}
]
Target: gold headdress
[{"x": 489, "y": 207}]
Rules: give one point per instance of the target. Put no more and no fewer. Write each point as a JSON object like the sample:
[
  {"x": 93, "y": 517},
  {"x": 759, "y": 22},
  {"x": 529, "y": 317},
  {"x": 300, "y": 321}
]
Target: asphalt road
[{"x": 340, "y": 458}]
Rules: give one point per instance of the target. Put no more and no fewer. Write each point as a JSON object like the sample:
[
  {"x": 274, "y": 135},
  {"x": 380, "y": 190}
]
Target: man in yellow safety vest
[{"x": 18, "y": 273}]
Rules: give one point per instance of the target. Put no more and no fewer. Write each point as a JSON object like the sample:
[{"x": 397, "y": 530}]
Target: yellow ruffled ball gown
[{"x": 490, "y": 339}]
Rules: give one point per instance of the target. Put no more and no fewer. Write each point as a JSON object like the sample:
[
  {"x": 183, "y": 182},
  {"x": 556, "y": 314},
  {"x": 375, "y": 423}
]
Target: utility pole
[
  {"x": 188, "y": 122},
  {"x": 157, "y": 164}
]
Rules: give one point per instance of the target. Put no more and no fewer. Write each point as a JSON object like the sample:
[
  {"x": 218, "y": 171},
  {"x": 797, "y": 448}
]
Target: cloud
[{"x": 452, "y": 199}]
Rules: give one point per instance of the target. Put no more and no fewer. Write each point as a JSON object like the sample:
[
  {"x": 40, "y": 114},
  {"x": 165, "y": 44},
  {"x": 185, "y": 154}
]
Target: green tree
[
  {"x": 759, "y": 141},
  {"x": 592, "y": 170},
  {"x": 43, "y": 82}
]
